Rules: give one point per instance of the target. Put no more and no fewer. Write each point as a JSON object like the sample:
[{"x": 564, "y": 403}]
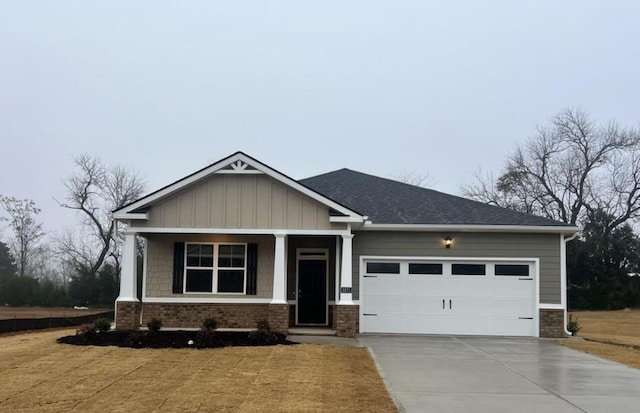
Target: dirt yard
[
  {"x": 46, "y": 312},
  {"x": 614, "y": 335},
  {"x": 39, "y": 375}
]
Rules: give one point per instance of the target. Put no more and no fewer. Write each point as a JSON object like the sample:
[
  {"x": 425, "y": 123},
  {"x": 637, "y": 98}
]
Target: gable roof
[
  {"x": 386, "y": 201},
  {"x": 237, "y": 163}
]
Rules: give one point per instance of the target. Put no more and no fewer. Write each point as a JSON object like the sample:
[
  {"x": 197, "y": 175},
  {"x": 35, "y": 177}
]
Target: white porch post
[
  {"x": 345, "y": 273},
  {"x": 128, "y": 276},
  {"x": 279, "y": 271}
]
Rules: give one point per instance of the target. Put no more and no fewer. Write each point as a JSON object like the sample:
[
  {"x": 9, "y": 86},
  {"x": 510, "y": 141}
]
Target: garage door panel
[{"x": 450, "y": 304}]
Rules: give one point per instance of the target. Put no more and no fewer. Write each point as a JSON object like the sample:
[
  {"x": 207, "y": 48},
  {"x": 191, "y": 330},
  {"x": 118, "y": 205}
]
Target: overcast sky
[{"x": 439, "y": 87}]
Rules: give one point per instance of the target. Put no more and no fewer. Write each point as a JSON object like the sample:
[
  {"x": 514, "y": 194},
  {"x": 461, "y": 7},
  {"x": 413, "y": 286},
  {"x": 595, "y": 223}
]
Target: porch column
[
  {"x": 279, "y": 272},
  {"x": 128, "y": 273},
  {"x": 345, "y": 272}
]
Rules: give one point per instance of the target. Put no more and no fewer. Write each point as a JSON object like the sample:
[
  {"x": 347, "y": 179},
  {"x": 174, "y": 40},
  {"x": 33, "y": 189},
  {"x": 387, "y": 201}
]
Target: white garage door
[{"x": 463, "y": 296}]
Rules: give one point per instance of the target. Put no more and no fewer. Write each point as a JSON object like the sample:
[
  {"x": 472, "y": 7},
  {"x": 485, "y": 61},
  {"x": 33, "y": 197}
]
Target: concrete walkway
[{"x": 480, "y": 374}]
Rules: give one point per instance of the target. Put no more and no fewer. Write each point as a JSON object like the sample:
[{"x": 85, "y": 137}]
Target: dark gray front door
[{"x": 312, "y": 291}]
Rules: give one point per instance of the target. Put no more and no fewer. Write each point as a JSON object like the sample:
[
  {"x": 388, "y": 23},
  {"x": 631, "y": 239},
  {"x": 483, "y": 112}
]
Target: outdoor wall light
[{"x": 447, "y": 242}]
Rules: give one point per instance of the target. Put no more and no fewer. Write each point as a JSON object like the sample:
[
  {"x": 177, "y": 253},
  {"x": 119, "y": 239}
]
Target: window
[
  {"x": 512, "y": 269},
  {"x": 468, "y": 269},
  {"x": 383, "y": 268},
  {"x": 425, "y": 268},
  {"x": 222, "y": 266}
]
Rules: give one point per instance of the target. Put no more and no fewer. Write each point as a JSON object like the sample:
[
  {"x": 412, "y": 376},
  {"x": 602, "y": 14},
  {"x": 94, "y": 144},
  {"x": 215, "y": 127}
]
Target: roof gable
[{"x": 240, "y": 164}]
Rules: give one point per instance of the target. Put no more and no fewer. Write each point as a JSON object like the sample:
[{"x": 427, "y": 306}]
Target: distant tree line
[
  {"x": 580, "y": 172},
  {"x": 81, "y": 266}
]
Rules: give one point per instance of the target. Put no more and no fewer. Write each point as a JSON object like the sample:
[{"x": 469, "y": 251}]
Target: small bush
[
  {"x": 154, "y": 325},
  {"x": 263, "y": 326},
  {"x": 86, "y": 330},
  {"x": 209, "y": 323},
  {"x": 135, "y": 339},
  {"x": 206, "y": 338},
  {"x": 263, "y": 334},
  {"x": 102, "y": 325},
  {"x": 573, "y": 326}
]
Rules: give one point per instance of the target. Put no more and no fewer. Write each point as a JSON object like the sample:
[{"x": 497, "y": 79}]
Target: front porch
[{"x": 299, "y": 280}]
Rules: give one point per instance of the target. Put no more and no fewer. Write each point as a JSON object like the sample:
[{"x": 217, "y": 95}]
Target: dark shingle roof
[{"x": 386, "y": 201}]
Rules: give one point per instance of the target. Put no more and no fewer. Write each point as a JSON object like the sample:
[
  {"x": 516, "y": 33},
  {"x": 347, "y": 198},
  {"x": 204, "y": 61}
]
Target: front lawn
[
  {"x": 39, "y": 375},
  {"x": 614, "y": 335}
]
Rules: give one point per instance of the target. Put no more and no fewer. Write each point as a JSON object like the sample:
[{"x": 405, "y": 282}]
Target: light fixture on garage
[{"x": 447, "y": 242}]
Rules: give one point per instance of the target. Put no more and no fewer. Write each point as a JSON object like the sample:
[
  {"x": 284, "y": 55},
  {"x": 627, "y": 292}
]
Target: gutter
[{"x": 566, "y": 301}]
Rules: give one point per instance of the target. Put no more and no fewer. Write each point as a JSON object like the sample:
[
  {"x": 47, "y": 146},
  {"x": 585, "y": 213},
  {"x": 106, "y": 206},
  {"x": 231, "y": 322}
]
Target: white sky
[{"x": 439, "y": 87}]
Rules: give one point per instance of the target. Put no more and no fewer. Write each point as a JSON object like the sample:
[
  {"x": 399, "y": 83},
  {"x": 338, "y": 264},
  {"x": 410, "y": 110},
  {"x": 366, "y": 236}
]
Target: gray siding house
[{"x": 345, "y": 251}]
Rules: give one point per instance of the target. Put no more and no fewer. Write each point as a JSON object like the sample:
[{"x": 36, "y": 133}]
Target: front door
[{"x": 312, "y": 287}]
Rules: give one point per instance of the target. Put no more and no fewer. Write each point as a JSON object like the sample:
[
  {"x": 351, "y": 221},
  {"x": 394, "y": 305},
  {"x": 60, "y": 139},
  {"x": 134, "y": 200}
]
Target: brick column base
[
  {"x": 279, "y": 318},
  {"x": 346, "y": 320},
  {"x": 552, "y": 323},
  {"x": 128, "y": 315}
]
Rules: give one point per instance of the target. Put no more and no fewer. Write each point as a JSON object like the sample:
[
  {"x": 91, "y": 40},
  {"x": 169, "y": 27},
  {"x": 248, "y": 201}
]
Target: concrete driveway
[{"x": 481, "y": 374}]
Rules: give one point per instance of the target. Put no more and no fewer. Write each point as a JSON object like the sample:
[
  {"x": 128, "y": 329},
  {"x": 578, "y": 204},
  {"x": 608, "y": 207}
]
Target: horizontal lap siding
[{"x": 546, "y": 247}]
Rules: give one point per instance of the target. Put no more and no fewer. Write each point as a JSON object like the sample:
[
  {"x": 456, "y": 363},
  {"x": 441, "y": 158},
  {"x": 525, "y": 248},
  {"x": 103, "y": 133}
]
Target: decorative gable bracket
[{"x": 238, "y": 167}]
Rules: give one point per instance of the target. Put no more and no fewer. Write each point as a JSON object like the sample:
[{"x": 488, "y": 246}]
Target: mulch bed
[{"x": 176, "y": 339}]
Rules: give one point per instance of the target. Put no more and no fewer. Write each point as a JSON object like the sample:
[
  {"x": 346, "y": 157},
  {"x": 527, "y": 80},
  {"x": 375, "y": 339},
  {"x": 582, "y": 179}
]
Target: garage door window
[
  {"x": 512, "y": 269},
  {"x": 468, "y": 269},
  {"x": 425, "y": 268},
  {"x": 383, "y": 268}
]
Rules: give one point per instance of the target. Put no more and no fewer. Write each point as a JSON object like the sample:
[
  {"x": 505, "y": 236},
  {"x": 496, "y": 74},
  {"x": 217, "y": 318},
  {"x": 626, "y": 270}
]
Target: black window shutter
[
  {"x": 178, "y": 267},
  {"x": 252, "y": 269}
]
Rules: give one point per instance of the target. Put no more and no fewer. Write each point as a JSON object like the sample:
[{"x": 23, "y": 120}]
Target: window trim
[{"x": 215, "y": 268}]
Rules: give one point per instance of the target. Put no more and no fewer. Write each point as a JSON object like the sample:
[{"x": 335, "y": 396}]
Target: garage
[{"x": 465, "y": 296}]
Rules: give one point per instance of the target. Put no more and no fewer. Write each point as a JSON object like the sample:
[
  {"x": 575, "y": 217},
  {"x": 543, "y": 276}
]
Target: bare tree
[
  {"x": 27, "y": 232},
  {"x": 415, "y": 178},
  {"x": 570, "y": 168},
  {"x": 95, "y": 190}
]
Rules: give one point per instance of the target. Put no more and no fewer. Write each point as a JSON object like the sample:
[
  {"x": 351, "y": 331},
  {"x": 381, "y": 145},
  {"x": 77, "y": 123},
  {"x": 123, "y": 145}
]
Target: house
[{"x": 242, "y": 242}]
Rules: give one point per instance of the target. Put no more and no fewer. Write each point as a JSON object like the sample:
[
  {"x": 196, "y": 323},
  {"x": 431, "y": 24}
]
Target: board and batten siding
[
  {"x": 239, "y": 202},
  {"x": 546, "y": 247}
]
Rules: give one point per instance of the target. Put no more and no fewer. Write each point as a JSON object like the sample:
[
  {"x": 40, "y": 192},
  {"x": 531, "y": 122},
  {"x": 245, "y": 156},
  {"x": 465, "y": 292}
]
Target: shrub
[
  {"x": 206, "y": 338},
  {"x": 102, "y": 325},
  {"x": 263, "y": 326},
  {"x": 573, "y": 326},
  {"x": 263, "y": 335},
  {"x": 135, "y": 339},
  {"x": 209, "y": 323},
  {"x": 86, "y": 330},
  {"x": 154, "y": 325}
]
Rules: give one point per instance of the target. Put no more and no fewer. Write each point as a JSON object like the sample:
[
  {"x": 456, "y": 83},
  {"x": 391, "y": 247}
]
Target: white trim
[
  {"x": 551, "y": 307},
  {"x": 324, "y": 257},
  {"x": 145, "y": 265},
  {"x": 131, "y": 215},
  {"x": 226, "y": 162},
  {"x": 236, "y": 231},
  {"x": 279, "y": 292},
  {"x": 346, "y": 270},
  {"x": 128, "y": 270},
  {"x": 346, "y": 219},
  {"x": 469, "y": 228},
  {"x": 209, "y": 300},
  {"x": 338, "y": 262},
  {"x": 534, "y": 261},
  {"x": 215, "y": 268},
  {"x": 440, "y": 258},
  {"x": 563, "y": 276},
  {"x": 238, "y": 172}
]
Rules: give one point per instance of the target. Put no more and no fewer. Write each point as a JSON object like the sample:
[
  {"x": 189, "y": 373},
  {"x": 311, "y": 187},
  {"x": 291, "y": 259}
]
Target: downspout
[{"x": 563, "y": 275}]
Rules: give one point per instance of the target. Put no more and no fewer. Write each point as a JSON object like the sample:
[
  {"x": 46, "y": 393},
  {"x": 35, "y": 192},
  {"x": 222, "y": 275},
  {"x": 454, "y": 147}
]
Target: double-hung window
[{"x": 215, "y": 268}]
